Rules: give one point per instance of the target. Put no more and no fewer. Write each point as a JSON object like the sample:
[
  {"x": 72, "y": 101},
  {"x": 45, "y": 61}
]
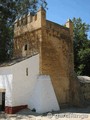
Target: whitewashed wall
[
  {"x": 43, "y": 96},
  {"x": 23, "y": 85},
  {"x": 18, "y": 86},
  {"x": 6, "y": 78},
  {"x": 32, "y": 90}
]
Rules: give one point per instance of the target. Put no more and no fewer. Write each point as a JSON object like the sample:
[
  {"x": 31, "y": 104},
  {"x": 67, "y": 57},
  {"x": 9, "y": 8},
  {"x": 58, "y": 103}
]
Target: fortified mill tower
[
  {"x": 33, "y": 34},
  {"x": 41, "y": 74}
]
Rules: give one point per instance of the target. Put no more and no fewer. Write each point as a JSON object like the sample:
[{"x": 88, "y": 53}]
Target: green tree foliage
[
  {"x": 81, "y": 47},
  {"x": 9, "y": 11},
  {"x": 24, "y": 6},
  {"x": 6, "y": 16}
]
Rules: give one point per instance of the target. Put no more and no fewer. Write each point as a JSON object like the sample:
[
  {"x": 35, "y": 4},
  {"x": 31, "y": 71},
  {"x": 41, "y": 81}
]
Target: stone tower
[
  {"x": 33, "y": 34},
  {"x": 27, "y": 33}
]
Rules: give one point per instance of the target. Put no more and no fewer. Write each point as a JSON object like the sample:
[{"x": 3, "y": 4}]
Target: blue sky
[{"x": 60, "y": 10}]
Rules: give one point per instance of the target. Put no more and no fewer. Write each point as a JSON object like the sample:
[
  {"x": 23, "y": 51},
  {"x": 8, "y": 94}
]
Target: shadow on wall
[
  {"x": 84, "y": 82},
  {"x": 79, "y": 90}
]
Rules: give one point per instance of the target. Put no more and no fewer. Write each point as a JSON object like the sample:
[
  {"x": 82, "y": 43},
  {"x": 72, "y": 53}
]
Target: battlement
[
  {"x": 29, "y": 22},
  {"x": 24, "y": 20}
]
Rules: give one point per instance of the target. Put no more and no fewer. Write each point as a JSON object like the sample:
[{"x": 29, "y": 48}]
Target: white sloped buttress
[{"x": 44, "y": 98}]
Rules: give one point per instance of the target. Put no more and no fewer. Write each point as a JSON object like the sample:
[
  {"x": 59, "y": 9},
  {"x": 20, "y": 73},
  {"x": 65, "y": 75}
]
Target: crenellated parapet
[
  {"x": 30, "y": 22},
  {"x": 24, "y": 20}
]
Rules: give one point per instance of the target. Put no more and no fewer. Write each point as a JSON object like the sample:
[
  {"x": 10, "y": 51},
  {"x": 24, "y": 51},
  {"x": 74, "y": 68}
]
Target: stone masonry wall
[
  {"x": 55, "y": 49},
  {"x": 28, "y": 39},
  {"x": 85, "y": 91}
]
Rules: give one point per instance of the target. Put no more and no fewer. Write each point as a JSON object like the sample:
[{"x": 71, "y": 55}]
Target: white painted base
[{"x": 44, "y": 98}]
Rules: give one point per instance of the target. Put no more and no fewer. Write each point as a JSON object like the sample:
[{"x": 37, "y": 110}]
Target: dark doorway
[{"x": 2, "y": 101}]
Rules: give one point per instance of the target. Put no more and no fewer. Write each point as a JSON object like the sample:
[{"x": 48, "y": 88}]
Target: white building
[{"x": 24, "y": 87}]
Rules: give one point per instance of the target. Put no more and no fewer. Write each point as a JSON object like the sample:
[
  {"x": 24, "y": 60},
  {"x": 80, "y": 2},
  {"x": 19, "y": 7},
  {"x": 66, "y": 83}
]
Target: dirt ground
[{"x": 63, "y": 114}]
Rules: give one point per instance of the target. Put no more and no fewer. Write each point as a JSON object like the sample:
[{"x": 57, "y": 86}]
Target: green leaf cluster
[{"x": 81, "y": 47}]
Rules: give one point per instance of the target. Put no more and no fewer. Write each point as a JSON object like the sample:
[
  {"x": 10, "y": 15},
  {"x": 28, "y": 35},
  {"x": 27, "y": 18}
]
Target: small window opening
[
  {"x": 25, "y": 47},
  {"x": 17, "y": 23},
  {"x": 31, "y": 18},
  {"x": 35, "y": 17},
  {"x": 26, "y": 71}
]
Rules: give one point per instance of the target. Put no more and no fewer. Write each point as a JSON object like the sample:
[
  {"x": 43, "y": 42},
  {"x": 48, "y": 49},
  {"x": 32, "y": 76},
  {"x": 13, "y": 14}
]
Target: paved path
[{"x": 64, "y": 114}]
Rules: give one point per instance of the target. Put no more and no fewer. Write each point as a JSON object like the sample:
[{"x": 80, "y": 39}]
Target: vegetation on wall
[
  {"x": 81, "y": 47},
  {"x": 9, "y": 11}
]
